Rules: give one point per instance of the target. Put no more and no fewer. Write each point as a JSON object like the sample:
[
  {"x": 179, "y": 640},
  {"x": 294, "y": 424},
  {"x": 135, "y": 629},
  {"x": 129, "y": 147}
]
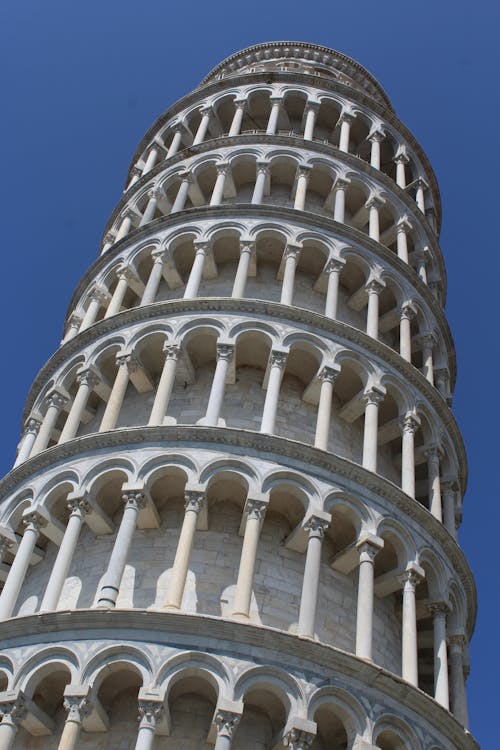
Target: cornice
[
  {"x": 256, "y": 444},
  {"x": 320, "y": 84}
]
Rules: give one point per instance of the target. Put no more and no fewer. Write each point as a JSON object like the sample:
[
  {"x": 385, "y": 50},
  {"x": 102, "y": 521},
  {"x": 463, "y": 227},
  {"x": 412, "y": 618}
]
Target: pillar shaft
[
  {"x": 203, "y": 127},
  {"x": 194, "y": 503},
  {"x": 333, "y": 269},
  {"x": 55, "y": 403},
  {"x": 301, "y": 191},
  {"x": 409, "y": 426},
  {"x": 310, "y": 584},
  {"x": 196, "y": 274},
  {"x": 457, "y": 681},
  {"x": 237, "y": 121},
  {"x": 260, "y": 183},
  {"x": 372, "y": 399},
  {"x": 373, "y": 289},
  {"x": 154, "y": 280},
  {"x": 255, "y": 514},
  {"x": 277, "y": 365},
  {"x": 364, "y": 614},
  {"x": 441, "y": 692},
  {"x": 116, "y": 303},
  {"x": 28, "y": 441},
  {"x": 115, "y": 401},
  {"x": 19, "y": 567},
  {"x": 224, "y": 354},
  {"x": 327, "y": 377},
  {"x": 407, "y": 314},
  {"x": 409, "y": 655},
  {"x": 272, "y": 124},
  {"x": 175, "y": 143},
  {"x": 182, "y": 194},
  {"x": 241, "y": 277},
  {"x": 291, "y": 259},
  {"x": 166, "y": 384},
  {"x": 87, "y": 380}
]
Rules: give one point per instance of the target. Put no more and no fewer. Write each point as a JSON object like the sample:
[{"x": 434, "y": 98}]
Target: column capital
[
  {"x": 428, "y": 339},
  {"x": 341, "y": 183},
  {"x": 5, "y": 545},
  {"x": 88, "y": 376},
  {"x": 186, "y": 176},
  {"x": 201, "y": 246},
  {"x": 298, "y": 739},
  {"x": 134, "y": 497},
  {"x": 434, "y": 453},
  {"x": 78, "y": 707},
  {"x": 13, "y": 705},
  {"x": 408, "y": 310},
  {"x": 346, "y": 116},
  {"x": 225, "y": 351},
  {"x": 74, "y": 320},
  {"x": 100, "y": 294},
  {"x": 375, "y": 201},
  {"x": 420, "y": 183},
  {"x": 78, "y": 503},
  {"x": 449, "y": 485},
  {"x": 124, "y": 271},
  {"x": 377, "y": 134},
  {"x": 32, "y": 518},
  {"x": 159, "y": 256},
  {"x": 404, "y": 225},
  {"x": 316, "y": 526},
  {"x": 276, "y": 98},
  {"x": 457, "y": 642},
  {"x": 303, "y": 169},
  {"x": 255, "y": 509},
  {"x": 334, "y": 265},
  {"x": 329, "y": 373},
  {"x": 128, "y": 360},
  {"x": 375, "y": 286},
  {"x": 56, "y": 398},
  {"x": 32, "y": 425},
  {"x": 226, "y": 722},
  {"x": 240, "y": 103},
  {"x": 247, "y": 246},
  {"x": 410, "y": 423},
  {"x": 156, "y": 193},
  {"x": 262, "y": 166},
  {"x": 172, "y": 349},
  {"x": 194, "y": 500},
  {"x": 109, "y": 237},
  {"x": 128, "y": 213},
  {"x": 438, "y": 608},
  {"x": 368, "y": 546},
  {"x": 149, "y": 712},
  {"x": 177, "y": 126},
  {"x": 205, "y": 110},
  {"x": 401, "y": 156},
  {"x": 223, "y": 167},
  {"x": 278, "y": 358},
  {"x": 312, "y": 104},
  {"x": 292, "y": 250},
  {"x": 412, "y": 576},
  {"x": 374, "y": 395}
]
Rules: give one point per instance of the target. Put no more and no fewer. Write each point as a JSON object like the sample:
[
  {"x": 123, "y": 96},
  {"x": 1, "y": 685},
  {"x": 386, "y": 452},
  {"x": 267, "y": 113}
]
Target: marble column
[
  {"x": 87, "y": 380},
  {"x": 346, "y": 119},
  {"x": 303, "y": 172},
  {"x": 74, "y": 325},
  {"x": 339, "y": 201},
  {"x": 374, "y": 204},
  {"x": 127, "y": 218},
  {"x": 78, "y": 707},
  {"x": 109, "y": 589},
  {"x": 176, "y": 141},
  {"x": 409, "y": 425},
  {"x": 311, "y": 111},
  {"x": 152, "y": 158},
  {"x": 333, "y": 270},
  {"x": 55, "y": 402},
  {"x": 262, "y": 175},
  {"x": 154, "y": 196},
  {"x": 316, "y": 527},
  {"x": 434, "y": 455},
  {"x": 206, "y": 113},
  {"x": 195, "y": 500},
  {"x": 247, "y": 249},
  {"x": 408, "y": 312},
  {"x": 291, "y": 255},
  {"x": 13, "y": 713},
  {"x": 403, "y": 227},
  {"x": 123, "y": 274},
  {"x": 368, "y": 547},
  {"x": 78, "y": 507},
  {"x": 224, "y": 355},
  {"x": 373, "y": 289},
  {"x": 182, "y": 193},
  {"x": 327, "y": 376},
  {"x": 421, "y": 187},
  {"x": 372, "y": 398},
  {"x": 277, "y": 362},
  {"x": 401, "y": 160},
  {"x": 457, "y": 680},
  {"x": 30, "y": 432},
  {"x": 254, "y": 511},
  {"x": 149, "y": 715},
  {"x": 32, "y": 524},
  {"x": 428, "y": 343},
  {"x": 126, "y": 363},
  {"x": 421, "y": 263},
  {"x": 201, "y": 250},
  {"x": 165, "y": 386},
  {"x": 154, "y": 279},
  {"x": 272, "y": 124},
  {"x": 226, "y": 723},
  {"x": 98, "y": 298},
  {"x": 136, "y": 174},
  {"x": 409, "y": 655},
  {"x": 375, "y": 138},
  {"x": 298, "y": 739},
  {"x": 438, "y": 611},
  {"x": 239, "y": 112},
  {"x": 448, "y": 489},
  {"x": 223, "y": 169}
]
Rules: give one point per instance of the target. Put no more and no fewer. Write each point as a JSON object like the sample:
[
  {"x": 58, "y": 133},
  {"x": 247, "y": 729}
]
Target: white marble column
[
  {"x": 277, "y": 362},
  {"x": 261, "y": 178},
  {"x": 255, "y": 511},
  {"x": 32, "y": 523},
  {"x": 401, "y": 160},
  {"x": 438, "y": 611},
  {"x": 327, "y": 376},
  {"x": 13, "y": 713},
  {"x": 448, "y": 489},
  {"x": 303, "y": 172},
  {"x": 239, "y": 112},
  {"x": 408, "y": 312},
  {"x": 176, "y": 141},
  {"x": 333, "y": 270},
  {"x": 339, "y": 200},
  {"x": 165, "y": 386},
  {"x": 368, "y": 547},
  {"x": 409, "y": 425},
  {"x": 55, "y": 403},
  {"x": 79, "y": 507},
  {"x": 223, "y": 168},
  {"x": 409, "y": 655},
  {"x": 98, "y": 298},
  {"x": 126, "y": 363},
  {"x": 421, "y": 187},
  {"x": 316, "y": 527},
  {"x": 154, "y": 196},
  {"x": 152, "y": 158},
  {"x": 372, "y": 398},
  {"x": 136, "y": 176},
  {"x": 201, "y": 250},
  {"x": 29, "y": 436},
  {"x": 74, "y": 325},
  {"x": 247, "y": 249},
  {"x": 434, "y": 455},
  {"x": 78, "y": 707},
  {"x": 226, "y": 723},
  {"x": 182, "y": 193},
  {"x": 375, "y": 138},
  {"x": 126, "y": 224},
  {"x": 206, "y": 113},
  {"x": 224, "y": 355},
  {"x": 149, "y": 716},
  {"x": 421, "y": 257},
  {"x": 373, "y": 289},
  {"x": 374, "y": 204},
  {"x": 345, "y": 120},
  {"x": 403, "y": 227},
  {"x": 291, "y": 256},
  {"x": 310, "y": 112},
  {"x": 87, "y": 380},
  {"x": 154, "y": 279},
  {"x": 110, "y": 586},
  {"x": 428, "y": 343},
  {"x": 272, "y": 123},
  {"x": 457, "y": 679},
  {"x": 123, "y": 274},
  {"x": 195, "y": 500}
]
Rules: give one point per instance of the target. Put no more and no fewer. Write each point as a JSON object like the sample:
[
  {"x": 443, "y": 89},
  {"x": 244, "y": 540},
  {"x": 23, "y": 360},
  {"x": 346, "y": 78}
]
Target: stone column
[
  {"x": 78, "y": 708},
  {"x": 311, "y": 110},
  {"x": 409, "y": 425},
  {"x": 409, "y": 656},
  {"x": 401, "y": 160},
  {"x": 87, "y": 380},
  {"x": 164, "y": 390},
  {"x": 333, "y": 269},
  {"x": 374, "y": 204},
  {"x": 339, "y": 205},
  {"x": 421, "y": 186},
  {"x": 345, "y": 120},
  {"x": 195, "y": 501},
  {"x": 408, "y": 312},
  {"x": 260, "y": 182},
  {"x": 239, "y": 111},
  {"x": 421, "y": 261},
  {"x": 448, "y": 490},
  {"x": 55, "y": 402},
  {"x": 277, "y": 364},
  {"x": 376, "y": 137},
  {"x": 428, "y": 342},
  {"x": 303, "y": 172},
  {"x": 206, "y": 113},
  {"x": 32, "y": 523},
  {"x": 272, "y": 123},
  {"x": 182, "y": 193},
  {"x": 108, "y": 593},
  {"x": 457, "y": 680},
  {"x": 292, "y": 253},
  {"x": 224, "y": 356},
  {"x": 13, "y": 713},
  {"x": 98, "y": 298},
  {"x": 79, "y": 507},
  {"x": 368, "y": 547},
  {"x": 327, "y": 377},
  {"x": 247, "y": 248},
  {"x": 31, "y": 431},
  {"x": 433, "y": 455},
  {"x": 223, "y": 168},
  {"x": 316, "y": 527},
  {"x": 126, "y": 364},
  {"x": 149, "y": 715},
  {"x": 176, "y": 141},
  {"x": 372, "y": 398},
  {"x": 154, "y": 279},
  {"x": 152, "y": 158},
  {"x": 226, "y": 723},
  {"x": 123, "y": 275},
  {"x": 126, "y": 224},
  {"x": 298, "y": 739},
  {"x": 373, "y": 289},
  {"x": 402, "y": 229},
  {"x": 194, "y": 281},
  {"x": 154, "y": 196},
  {"x": 438, "y": 611},
  {"x": 74, "y": 325},
  {"x": 255, "y": 511}
]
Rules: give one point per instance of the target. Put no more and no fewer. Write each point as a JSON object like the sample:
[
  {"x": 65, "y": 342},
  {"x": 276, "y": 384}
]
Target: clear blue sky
[{"x": 81, "y": 83}]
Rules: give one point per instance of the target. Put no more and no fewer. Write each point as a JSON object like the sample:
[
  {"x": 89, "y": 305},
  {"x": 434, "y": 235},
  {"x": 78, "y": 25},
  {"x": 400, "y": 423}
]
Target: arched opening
[
  {"x": 294, "y": 103},
  {"x": 191, "y": 700},
  {"x": 326, "y": 122},
  {"x": 191, "y": 391},
  {"x": 312, "y": 260},
  {"x": 331, "y": 733},
  {"x": 263, "y": 717},
  {"x": 296, "y": 417},
  {"x": 269, "y": 249},
  {"x": 226, "y": 254},
  {"x": 245, "y": 398},
  {"x": 282, "y": 175},
  {"x": 118, "y": 694},
  {"x": 347, "y": 422}
]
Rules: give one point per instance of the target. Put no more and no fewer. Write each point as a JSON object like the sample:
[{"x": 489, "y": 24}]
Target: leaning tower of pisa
[{"x": 233, "y": 516}]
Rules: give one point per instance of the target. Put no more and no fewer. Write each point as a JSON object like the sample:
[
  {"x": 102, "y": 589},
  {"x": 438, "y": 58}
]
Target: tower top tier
[{"x": 301, "y": 57}]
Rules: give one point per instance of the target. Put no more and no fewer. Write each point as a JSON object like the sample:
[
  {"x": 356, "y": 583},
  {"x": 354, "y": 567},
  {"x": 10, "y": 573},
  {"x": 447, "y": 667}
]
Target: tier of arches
[
  {"x": 150, "y": 552},
  {"x": 194, "y": 698},
  {"x": 255, "y": 376}
]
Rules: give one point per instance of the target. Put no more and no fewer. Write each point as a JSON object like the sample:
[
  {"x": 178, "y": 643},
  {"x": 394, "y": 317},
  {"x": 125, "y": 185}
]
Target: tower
[{"x": 235, "y": 502}]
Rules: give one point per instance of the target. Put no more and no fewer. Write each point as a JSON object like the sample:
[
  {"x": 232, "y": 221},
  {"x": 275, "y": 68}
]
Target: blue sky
[{"x": 81, "y": 83}]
